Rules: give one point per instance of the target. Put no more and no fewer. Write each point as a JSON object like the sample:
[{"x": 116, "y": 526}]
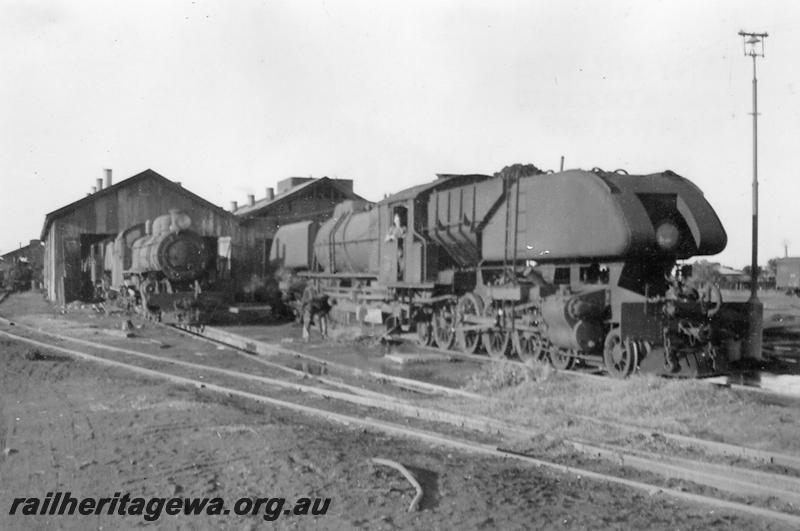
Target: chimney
[
  {"x": 173, "y": 219},
  {"x": 234, "y": 206},
  {"x": 99, "y": 184},
  {"x": 108, "y": 177},
  {"x": 94, "y": 189},
  {"x": 179, "y": 183},
  {"x": 251, "y": 199},
  {"x": 270, "y": 194}
]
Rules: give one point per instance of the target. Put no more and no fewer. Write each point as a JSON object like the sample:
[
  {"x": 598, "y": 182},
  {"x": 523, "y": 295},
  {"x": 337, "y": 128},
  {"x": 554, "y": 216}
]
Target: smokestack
[
  {"x": 270, "y": 194},
  {"x": 173, "y": 220},
  {"x": 99, "y": 184},
  {"x": 251, "y": 199},
  {"x": 234, "y": 206},
  {"x": 108, "y": 177}
]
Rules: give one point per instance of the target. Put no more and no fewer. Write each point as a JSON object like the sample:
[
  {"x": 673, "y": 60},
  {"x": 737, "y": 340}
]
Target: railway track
[
  {"x": 597, "y": 374},
  {"x": 462, "y": 432},
  {"x": 583, "y": 372},
  {"x": 249, "y": 347}
]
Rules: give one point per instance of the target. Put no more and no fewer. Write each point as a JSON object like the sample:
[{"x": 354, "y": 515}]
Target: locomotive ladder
[{"x": 514, "y": 181}]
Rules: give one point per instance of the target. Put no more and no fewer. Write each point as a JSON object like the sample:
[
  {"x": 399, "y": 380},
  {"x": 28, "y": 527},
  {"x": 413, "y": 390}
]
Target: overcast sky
[{"x": 230, "y": 97}]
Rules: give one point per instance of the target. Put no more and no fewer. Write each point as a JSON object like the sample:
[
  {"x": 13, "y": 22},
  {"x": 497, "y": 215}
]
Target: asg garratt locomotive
[
  {"x": 161, "y": 269},
  {"x": 577, "y": 266}
]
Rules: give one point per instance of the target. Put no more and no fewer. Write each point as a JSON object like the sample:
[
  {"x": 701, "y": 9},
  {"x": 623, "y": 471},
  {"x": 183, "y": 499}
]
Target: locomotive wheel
[
  {"x": 561, "y": 359},
  {"x": 442, "y": 325},
  {"x": 468, "y": 305},
  {"x": 497, "y": 339},
  {"x": 529, "y": 346},
  {"x": 424, "y": 333},
  {"x": 619, "y": 357}
]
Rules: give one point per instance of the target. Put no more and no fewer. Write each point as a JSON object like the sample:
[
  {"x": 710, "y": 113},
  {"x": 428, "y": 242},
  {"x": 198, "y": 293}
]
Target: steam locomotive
[
  {"x": 17, "y": 276},
  {"x": 571, "y": 267},
  {"x": 160, "y": 268}
]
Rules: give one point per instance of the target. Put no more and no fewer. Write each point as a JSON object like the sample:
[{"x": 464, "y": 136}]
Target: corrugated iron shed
[{"x": 69, "y": 231}]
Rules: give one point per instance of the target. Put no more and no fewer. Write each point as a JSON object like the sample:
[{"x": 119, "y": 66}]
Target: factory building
[{"x": 70, "y": 231}]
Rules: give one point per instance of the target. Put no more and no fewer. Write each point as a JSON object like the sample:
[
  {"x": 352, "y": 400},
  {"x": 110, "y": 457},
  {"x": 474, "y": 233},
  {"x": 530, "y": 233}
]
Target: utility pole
[{"x": 754, "y": 47}]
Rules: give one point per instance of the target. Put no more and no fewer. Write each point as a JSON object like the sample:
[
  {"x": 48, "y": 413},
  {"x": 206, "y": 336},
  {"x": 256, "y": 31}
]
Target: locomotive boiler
[
  {"x": 576, "y": 266},
  {"x": 160, "y": 268}
]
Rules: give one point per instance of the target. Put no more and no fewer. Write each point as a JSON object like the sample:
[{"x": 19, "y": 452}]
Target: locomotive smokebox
[{"x": 181, "y": 255}]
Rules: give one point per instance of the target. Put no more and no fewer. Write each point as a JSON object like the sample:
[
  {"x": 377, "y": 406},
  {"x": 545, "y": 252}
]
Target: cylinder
[
  {"x": 574, "y": 321},
  {"x": 108, "y": 177}
]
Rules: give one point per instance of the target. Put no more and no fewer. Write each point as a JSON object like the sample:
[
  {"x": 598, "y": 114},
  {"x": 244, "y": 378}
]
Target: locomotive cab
[{"x": 407, "y": 256}]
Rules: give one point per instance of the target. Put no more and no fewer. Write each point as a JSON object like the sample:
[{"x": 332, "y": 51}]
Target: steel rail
[
  {"x": 260, "y": 347},
  {"x": 386, "y": 402},
  {"x": 333, "y": 383},
  {"x": 430, "y": 437},
  {"x": 736, "y": 480},
  {"x": 710, "y": 447},
  {"x": 483, "y": 359},
  {"x": 496, "y": 426},
  {"x": 588, "y": 375}
]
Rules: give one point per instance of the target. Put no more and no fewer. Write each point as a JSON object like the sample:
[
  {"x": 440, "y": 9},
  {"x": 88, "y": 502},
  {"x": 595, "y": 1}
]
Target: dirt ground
[{"x": 69, "y": 425}]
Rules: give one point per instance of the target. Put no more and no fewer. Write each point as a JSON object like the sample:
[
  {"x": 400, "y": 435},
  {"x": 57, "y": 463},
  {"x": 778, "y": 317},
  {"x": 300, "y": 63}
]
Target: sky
[{"x": 231, "y": 97}]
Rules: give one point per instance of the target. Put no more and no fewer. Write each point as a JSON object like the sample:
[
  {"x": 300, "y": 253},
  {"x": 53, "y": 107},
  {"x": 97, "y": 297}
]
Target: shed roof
[
  {"x": 443, "y": 180},
  {"x": 147, "y": 174},
  {"x": 22, "y": 250},
  {"x": 729, "y": 271},
  {"x": 265, "y": 204}
]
